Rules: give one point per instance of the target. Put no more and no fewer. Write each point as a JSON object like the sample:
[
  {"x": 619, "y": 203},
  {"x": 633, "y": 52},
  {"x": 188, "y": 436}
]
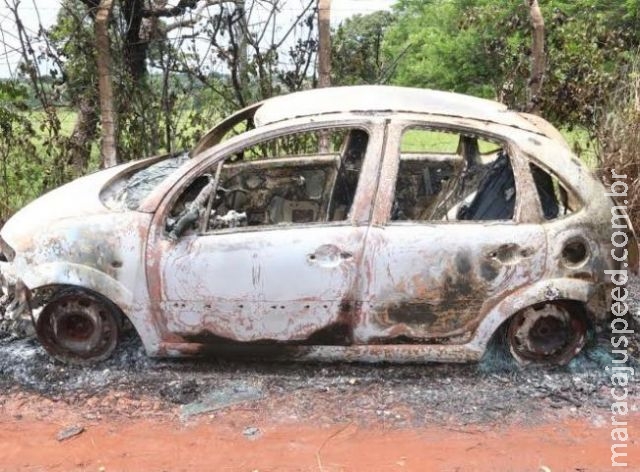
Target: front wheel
[
  {"x": 79, "y": 327},
  {"x": 551, "y": 333}
]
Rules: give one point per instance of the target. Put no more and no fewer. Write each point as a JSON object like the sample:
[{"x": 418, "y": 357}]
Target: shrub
[{"x": 618, "y": 137}]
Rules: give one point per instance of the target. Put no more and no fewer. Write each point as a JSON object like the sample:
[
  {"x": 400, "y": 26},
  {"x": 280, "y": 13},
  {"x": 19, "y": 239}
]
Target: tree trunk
[
  {"x": 108, "y": 154},
  {"x": 324, "y": 43},
  {"x": 241, "y": 33},
  {"x": 538, "y": 60},
  {"x": 83, "y": 134},
  {"x": 135, "y": 47},
  {"x": 324, "y": 59}
]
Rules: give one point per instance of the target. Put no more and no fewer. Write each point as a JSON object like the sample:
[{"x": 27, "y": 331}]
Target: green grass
[
  {"x": 422, "y": 140},
  {"x": 582, "y": 145},
  {"x": 413, "y": 140}
]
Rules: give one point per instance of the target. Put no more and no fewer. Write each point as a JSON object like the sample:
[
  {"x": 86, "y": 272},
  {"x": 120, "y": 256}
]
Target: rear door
[{"x": 452, "y": 233}]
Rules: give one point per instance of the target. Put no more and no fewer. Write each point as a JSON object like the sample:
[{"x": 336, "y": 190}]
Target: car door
[
  {"x": 433, "y": 277},
  {"x": 282, "y": 281}
]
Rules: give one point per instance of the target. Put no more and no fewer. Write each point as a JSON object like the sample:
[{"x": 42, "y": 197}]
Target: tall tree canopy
[{"x": 483, "y": 47}]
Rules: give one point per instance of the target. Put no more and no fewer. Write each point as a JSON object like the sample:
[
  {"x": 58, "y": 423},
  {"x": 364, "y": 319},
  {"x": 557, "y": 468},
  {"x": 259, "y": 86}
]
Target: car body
[{"x": 358, "y": 250}]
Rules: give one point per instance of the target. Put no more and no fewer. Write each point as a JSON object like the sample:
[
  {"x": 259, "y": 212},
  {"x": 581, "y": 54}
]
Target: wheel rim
[
  {"x": 78, "y": 328},
  {"x": 549, "y": 333}
]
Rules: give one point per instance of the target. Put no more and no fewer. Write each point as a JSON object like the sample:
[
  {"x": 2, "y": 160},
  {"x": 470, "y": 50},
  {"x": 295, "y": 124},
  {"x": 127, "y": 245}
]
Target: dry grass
[{"x": 618, "y": 138}]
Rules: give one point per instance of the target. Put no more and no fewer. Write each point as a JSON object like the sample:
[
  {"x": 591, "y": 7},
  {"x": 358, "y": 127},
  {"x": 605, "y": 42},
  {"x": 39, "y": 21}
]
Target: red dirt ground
[{"x": 159, "y": 441}]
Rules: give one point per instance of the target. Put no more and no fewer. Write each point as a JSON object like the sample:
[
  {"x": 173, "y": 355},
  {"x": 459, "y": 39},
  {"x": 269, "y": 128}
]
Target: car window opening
[
  {"x": 308, "y": 177},
  {"x": 438, "y": 182},
  {"x": 555, "y": 199}
]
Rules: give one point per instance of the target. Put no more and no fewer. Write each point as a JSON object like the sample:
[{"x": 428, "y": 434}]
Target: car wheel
[
  {"x": 550, "y": 333},
  {"x": 79, "y": 327}
]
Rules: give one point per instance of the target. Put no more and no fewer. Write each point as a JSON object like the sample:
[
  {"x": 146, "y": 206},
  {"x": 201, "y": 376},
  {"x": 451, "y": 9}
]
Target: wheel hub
[
  {"x": 548, "y": 333},
  {"x": 78, "y": 328}
]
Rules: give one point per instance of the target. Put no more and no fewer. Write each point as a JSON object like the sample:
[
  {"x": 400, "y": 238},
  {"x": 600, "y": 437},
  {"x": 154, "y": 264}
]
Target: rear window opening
[
  {"x": 452, "y": 176},
  {"x": 556, "y": 201}
]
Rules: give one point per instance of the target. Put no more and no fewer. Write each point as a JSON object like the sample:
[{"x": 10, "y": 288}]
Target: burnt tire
[
  {"x": 548, "y": 333},
  {"x": 79, "y": 327}
]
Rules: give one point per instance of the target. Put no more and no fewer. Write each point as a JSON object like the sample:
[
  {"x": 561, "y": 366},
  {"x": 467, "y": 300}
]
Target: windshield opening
[{"x": 128, "y": 192}]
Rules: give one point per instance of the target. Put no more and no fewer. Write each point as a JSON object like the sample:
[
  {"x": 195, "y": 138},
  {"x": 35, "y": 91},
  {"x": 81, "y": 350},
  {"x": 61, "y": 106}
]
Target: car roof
[
  {"x": 377, "y": 100},
  {"x": 384, "y": 98}
]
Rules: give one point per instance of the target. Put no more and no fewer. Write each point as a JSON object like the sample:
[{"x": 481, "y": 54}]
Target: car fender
[
  {"x": 540, "y": 292},
  {"x": 65, "y": 273},
  {"x": 82, "y": 276}
]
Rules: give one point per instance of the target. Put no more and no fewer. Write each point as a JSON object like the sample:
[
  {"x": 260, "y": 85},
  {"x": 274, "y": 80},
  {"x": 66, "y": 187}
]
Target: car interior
[
  {"x": 303, "y": 178},
  {"x": 437, "y": 182},
  {"x": 311, "y": 177}
]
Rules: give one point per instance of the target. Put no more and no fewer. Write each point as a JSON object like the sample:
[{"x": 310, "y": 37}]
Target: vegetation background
[{"x": 176, "y": 67}]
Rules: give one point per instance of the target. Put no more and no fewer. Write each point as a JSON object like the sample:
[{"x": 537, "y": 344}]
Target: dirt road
[
  {"x": 215, "y": 415},
  {"x": 142, "y": 435}
]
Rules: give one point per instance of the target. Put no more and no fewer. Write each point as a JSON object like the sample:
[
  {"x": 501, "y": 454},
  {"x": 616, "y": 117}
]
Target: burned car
[{"x": 363, "y": 223}]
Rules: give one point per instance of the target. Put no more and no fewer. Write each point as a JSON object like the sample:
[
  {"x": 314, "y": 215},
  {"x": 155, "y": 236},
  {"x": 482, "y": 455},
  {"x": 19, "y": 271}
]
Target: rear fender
[{"x": 544, "y": 291}]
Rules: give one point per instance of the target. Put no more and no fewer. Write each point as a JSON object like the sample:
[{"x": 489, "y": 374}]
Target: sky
[{"x": 45, "y": 11}]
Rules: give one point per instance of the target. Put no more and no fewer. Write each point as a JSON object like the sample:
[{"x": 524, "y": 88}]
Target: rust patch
[{"x": 412, "y": 314}]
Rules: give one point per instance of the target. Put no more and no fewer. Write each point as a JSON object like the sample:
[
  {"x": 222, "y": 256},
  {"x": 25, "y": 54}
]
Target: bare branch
[
  {"x": 293, "y": 24},
  {"x": 181, "y": 8}
]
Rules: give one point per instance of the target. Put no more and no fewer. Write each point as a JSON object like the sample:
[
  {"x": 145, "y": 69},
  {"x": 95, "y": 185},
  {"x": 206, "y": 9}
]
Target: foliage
[
  {"x": 357, "y": 55},
  {"x": 618, "y": 136},
  {"x": 438, "y": 46},
  {"x": 169, "y": 88},
  {"x": 16, "y": 132},
  {"x": 482, "y": 47}
]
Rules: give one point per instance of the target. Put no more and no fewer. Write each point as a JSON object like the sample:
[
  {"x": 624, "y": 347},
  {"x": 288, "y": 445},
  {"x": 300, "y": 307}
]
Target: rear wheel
[
  {"x": 551, "y": 333},
  {"x": 79, "y": 327}
]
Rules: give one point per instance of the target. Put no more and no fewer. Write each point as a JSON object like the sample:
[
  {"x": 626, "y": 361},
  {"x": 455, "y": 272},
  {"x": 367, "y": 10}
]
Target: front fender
[
  {"x": 543, "y": 291},
  {"x": 136, "y": 309},
  {"x": 64, "y": 273}
]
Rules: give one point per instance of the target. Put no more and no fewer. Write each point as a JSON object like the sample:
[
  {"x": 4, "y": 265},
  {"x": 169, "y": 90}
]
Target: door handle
[
  {"x": 329, "y": 255},
  {"x": 509, "y": 253}
]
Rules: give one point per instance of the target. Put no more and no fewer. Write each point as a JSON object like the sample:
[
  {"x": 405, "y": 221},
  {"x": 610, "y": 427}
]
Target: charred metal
[{"x": 328, "y": 230}]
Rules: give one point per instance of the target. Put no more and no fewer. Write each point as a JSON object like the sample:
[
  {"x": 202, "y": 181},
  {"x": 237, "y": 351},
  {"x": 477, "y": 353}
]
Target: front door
[{"x": 279, "y": 254}]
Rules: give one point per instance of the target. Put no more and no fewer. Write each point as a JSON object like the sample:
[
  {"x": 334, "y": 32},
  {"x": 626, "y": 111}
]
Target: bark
[
  {"x": 108, "y": 154},
  {"x": 538, "y": 59},
  {"x": 135, "y": 47},
  {"x": 84, "y": 132},
  {"x": 324, "y": 58},
  {"x": 242, "y": 31},
  {"x": 324, "y": 40}
]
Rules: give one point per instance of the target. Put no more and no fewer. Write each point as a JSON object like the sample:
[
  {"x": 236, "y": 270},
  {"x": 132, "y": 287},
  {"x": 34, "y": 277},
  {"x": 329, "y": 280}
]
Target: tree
[
  {"x": 357, "y": 54},
  {"x": 438, "y": 45},
  {"x": 108, "y": 154},
  {"x": 16, "y": 131},
  {"x": 537, "y": 57},
  {"x": 176, "y": 68},
  {"x": 484, "y": 48}
]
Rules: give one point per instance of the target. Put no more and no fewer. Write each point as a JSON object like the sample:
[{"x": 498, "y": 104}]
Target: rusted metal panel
[
  {"x": 449, "y": 275},
  {"x": 385, "y": 99},
  {"x": 215, "y": 134},
  {"x": 283, "y": 284}
]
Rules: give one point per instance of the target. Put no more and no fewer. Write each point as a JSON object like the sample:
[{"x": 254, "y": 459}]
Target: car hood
[{"x": 76, "y": 199}]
